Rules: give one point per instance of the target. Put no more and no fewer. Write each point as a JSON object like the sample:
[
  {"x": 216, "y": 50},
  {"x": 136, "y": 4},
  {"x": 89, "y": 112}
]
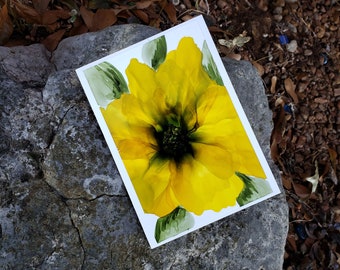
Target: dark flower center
[{"x": 173, "y": 142}]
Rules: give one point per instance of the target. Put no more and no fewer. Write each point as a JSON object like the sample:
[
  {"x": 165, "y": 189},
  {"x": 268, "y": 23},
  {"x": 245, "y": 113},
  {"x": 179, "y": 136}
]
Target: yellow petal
[
  {"x": 115, "y": 119},
  {"x": 251, "y": 166},
  {"x": 135, "y": 148},
  {"x": 153, "y": 187},
  {"x": 172, "y": 81},
  {"x": 136, "y": 169},
  {"x": 222, "y": 133},
  {"x": 138, "y": 112},
  {"x": 216, "y": 159},
  {"x": 165, "y": 203},
  {"x": 228, "y": 195},
  {"x": 133, "y": 141},
  {"x": 219, "y": 125},
  {"x": 182, "y": 76},
  {"x": 230, "y": 136},
  {"x": 187, "y": 56},
  {"x": 197, "y": 189},
  {"x": 215, "y": 105},
  {"x": 118, "y": 122},
  {"x": 141, "y": 77}
]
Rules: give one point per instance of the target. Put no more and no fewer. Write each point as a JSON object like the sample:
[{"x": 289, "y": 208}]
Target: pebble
[
  {"x": 333, "y": 28},
  {"x": 292, "y": 27},
  {"x": 277, "y": 10},
  {"x": 221, "y": 4},
  {"x": 292, "y": 46},
  {"x": 291, "y": 1},
  {"x": 307, "y": 52},
  {"x": 277, "y": 17},
  {"x": 280, "y": 3}
]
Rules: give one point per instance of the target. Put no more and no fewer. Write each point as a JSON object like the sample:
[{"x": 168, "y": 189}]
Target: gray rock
[
  {"x": 29, "y": 65},
  {"x": 73, "y": 52},
  {"x": 78, "y": 144},
  {"x": 63, "y": 204}
]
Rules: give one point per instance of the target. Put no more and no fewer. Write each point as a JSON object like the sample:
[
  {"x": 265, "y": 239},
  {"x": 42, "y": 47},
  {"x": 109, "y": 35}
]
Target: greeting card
[{"x": 177, "y": 132}]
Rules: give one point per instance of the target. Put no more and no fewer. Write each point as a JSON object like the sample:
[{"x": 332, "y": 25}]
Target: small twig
[
  {"x": 308, "y": 26},
  {"x": 265, "y": 57},
  {"x": 301, "y": 220},
  {"x": 249, "y": 4},
  {"x": 207, "y": 4},
  {"x": 188, "y": 11}
]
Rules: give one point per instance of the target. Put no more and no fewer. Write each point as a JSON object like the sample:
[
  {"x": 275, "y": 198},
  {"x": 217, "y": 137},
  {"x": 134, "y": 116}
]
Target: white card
[{"x": 177, "y": 132}]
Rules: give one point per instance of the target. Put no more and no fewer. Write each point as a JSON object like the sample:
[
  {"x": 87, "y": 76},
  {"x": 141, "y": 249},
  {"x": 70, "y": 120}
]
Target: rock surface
[{"x": 63, "y": 204}]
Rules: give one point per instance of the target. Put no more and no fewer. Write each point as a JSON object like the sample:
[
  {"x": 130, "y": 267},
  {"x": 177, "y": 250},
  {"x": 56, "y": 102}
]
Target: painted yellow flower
[{"x": 179, "y": 136}]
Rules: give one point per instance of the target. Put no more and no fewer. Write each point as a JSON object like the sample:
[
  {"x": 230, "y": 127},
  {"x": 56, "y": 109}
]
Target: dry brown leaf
[
  {"x": 320, "y": 31},
  {"x": 186, "y": 18},
  {"x": 302, "y": 76},
  {"x": 287, "y": 182},
  {"x": 78, "y": 27},
  {"x": 337, "y": 92},
  {"x": 214, "y": 29},
  {"x": 103, "y": 18},
  {"x": 6, "y": 26},
  {"x": 292, "y": 242},
  {"x": 87, "y": 16},
  {"x": 263, "y": 5},
  {"x": 274, "y": 151},
  {"x": 51, "y": 28},
  {"x": 143, "y": 4},
  {"x": 123, "y": 12},
  {"x": 235, "y": 56},
  {"x": 290, "y": 88},
  {"x": 155, "y": 22},
  {"x": 140, "y": 14},
  {"x": 301, "y": 142},
  {"x": 303, "y": 86},
  {"x": 333, "y": 155},
  {"x": 187, "y": 3},
  {"x": 222, "y": 4},
  {"x": 302, "y": 191},
  {"x": 170, "y": 10},
  {"x": 29, "y": 14},
  {"x": 279, "y": 124},
  {"x": 52, "y": 41},
  {"x": 203, "y": 5},
  {"x": 259, "y": 68},
  {"x": 52, "y": 16},
  {"x": 273, "y": 84},
  {"x": 321, "y": 100},
  {"x": 40, "y": 5}
]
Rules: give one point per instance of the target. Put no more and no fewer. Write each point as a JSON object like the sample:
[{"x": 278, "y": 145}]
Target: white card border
[{"x": 197, "y": 29}]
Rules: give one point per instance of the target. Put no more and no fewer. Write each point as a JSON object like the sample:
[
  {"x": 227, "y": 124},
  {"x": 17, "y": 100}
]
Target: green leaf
[
  {"x": 107, "y": 83},
  {"x": 179, "y": 220},
  {"x": 254, "y": 188},
  {"x": 154, "y": 52},
  {"x": 210, "y": 66}
]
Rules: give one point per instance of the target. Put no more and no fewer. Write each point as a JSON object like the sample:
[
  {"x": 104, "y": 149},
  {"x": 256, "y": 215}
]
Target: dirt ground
[{"x": 295, "y": 47}]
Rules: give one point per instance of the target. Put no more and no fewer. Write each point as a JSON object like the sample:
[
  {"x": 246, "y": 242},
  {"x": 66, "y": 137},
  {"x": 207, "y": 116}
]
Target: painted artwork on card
[{"x": 177, "y": 132}]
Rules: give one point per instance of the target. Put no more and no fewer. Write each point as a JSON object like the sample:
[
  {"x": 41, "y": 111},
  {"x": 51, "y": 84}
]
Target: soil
[{"x": 295, "y": 47}]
